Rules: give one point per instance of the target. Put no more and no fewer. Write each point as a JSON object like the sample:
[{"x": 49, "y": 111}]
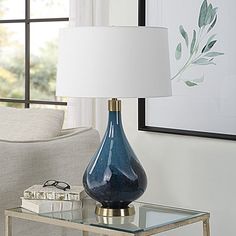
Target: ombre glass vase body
[{"x": 114, "y": 176}]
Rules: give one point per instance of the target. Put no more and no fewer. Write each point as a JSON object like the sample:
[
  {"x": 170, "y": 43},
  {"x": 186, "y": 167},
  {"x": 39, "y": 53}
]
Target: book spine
[
  {"x": 42, "y": 206},
  {"x": 37, "y": 195}
]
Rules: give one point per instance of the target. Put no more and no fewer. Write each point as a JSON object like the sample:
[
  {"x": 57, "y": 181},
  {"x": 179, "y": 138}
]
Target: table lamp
[{"x": 114, "y": 62}]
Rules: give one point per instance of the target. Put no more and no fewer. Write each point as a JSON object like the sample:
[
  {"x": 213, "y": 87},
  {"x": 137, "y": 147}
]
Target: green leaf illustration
[
  {"x": 178, "y": 52},
  {"x": 194, "y": 82},
  {"x": 211, "y": 38},
  {"x": 203, "y": 62},
  {"x": 212, "y": 25},
  {"x": 213, "y": 13},
  {"x": 200, "y": 49},
  {"x": 213, "y": 54},
  {"x": 193, "y": 42},
  {"x": 199, "y": 80},
  {"x": 208, "y": 15},
  {"x": 184, "y": 34},
  {"x": 209, "y": 46},
  {"x": 202, "y": 15},
  {"x": 190, "y": 83}
]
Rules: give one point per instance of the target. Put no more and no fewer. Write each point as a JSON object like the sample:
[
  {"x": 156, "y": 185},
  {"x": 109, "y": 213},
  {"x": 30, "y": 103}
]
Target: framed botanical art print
[{"x": 202, "y": 49}]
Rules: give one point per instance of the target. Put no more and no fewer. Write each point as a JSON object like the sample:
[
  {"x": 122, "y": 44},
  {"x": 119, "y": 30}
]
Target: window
[{"x": 28, "y": 51}]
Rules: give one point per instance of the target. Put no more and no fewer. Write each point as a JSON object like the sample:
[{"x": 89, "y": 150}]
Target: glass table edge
[
  {"x": 177, "y": 221},
  {"x": 183, "y": 210},
  {"x": 14, "y": 210},
  {"x": 152, "y": 227},
  {"x": 179, "y": 209},
  {"x": 196, "y": 215}
]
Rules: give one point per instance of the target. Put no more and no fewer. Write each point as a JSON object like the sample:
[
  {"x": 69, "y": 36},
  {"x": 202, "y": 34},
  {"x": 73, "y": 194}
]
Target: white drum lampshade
[{"x": 113, "y": 62}]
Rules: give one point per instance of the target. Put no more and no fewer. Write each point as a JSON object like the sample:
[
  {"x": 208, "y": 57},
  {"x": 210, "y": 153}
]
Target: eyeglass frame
[{"x": 55, "y": 184}]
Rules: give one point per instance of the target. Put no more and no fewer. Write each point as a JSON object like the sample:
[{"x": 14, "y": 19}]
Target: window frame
[{"x": 27, "y": 22}]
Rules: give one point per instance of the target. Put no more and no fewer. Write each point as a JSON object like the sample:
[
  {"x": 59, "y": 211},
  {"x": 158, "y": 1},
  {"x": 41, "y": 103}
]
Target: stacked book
[{"x": 41, "y": 199}]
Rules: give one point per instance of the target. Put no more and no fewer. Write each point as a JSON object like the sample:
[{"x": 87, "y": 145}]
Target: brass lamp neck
[{"x": 114, "y": 105}]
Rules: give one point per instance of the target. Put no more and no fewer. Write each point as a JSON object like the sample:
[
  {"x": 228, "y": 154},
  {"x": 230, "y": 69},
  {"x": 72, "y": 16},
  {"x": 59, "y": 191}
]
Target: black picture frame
[{"x": 142, "y": 102}]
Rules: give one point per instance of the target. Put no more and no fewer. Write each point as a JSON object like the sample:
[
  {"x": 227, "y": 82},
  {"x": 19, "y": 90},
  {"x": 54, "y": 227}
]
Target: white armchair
[{"x": 23, "y": 164}]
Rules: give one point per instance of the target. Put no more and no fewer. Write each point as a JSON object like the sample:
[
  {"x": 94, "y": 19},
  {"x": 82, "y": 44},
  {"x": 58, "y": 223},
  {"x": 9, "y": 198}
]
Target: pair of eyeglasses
[{"x": 57, "y": 184}]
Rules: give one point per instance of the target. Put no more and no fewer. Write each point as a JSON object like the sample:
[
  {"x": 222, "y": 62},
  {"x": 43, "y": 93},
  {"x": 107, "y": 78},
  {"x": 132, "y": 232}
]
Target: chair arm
[{"x": 26, "y": 163}]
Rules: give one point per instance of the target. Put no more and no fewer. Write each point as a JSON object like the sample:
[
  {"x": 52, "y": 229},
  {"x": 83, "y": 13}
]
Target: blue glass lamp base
[{"x": 114, "y": 176}]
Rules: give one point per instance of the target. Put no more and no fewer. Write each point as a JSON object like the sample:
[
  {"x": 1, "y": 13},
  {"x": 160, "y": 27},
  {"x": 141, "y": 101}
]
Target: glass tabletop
[{"x": 147, "y": 216}]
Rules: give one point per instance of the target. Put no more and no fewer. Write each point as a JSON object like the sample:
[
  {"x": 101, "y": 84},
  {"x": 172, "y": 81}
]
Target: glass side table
[{"x": 149, "y": 219}]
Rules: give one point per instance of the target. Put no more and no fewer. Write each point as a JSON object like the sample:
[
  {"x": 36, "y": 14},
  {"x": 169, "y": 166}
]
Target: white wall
[{"x": 190, "y": 172}]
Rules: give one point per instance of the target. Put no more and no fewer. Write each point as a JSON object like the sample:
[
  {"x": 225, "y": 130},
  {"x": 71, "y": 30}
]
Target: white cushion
[{"x": 30, "y": 124}]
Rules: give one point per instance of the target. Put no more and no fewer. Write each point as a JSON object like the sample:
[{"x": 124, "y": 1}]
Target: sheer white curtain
[{"x": 86, "y": 111}]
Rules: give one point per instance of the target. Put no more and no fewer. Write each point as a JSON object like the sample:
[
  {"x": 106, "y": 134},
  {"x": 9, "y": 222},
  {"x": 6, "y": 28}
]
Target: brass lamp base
[
  {"x": 108, "y": 212},
  {"x": 115, "y": 220}
]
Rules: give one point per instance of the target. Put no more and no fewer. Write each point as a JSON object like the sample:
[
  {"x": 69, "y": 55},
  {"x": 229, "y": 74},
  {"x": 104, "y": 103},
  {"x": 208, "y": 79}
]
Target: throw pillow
[{"x": 30, "y": 124}]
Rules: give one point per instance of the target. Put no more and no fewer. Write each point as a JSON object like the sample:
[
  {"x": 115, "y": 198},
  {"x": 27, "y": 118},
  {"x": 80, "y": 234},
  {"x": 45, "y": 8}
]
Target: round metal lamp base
[{"x": 108, "y": 212}]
